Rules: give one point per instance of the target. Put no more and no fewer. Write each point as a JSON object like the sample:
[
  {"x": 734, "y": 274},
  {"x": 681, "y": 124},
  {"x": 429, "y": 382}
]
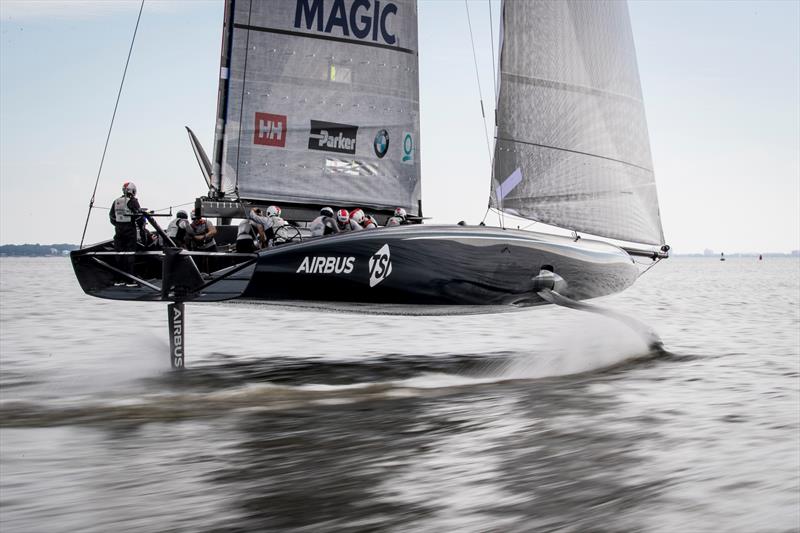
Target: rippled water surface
[{"x": 545, "y": 419}]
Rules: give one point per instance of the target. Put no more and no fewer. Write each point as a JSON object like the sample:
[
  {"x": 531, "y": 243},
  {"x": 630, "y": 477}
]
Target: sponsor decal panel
[
  {"x": 363, "y": 19},
  {"x": 176, "y": 340},
  {"x": 408, "y": 148},
  {"x": 326, "y": 265},
  {"x": 270, "y": 130},
  {"x": 381, "y": 143},
  {"x": 380, "y": 265},
  {"x": 332, "y": 137}
]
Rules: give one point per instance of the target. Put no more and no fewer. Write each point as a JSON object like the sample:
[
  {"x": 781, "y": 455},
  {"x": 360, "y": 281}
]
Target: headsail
[
  {"x": 319, "y": 103},
  {"x": 571, "y": 124}
]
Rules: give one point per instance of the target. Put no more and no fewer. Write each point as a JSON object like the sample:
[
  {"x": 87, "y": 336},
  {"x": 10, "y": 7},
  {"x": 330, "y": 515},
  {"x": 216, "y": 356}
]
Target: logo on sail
[
  {"x": 332, "y": 137},
  {"x": 270, "y": 130},
  {"x": 366, "y": 20},
  {"x": 380, "y": 265},
  {"x": 408, "y": 148},
  {"x": 381, "y": 143}
]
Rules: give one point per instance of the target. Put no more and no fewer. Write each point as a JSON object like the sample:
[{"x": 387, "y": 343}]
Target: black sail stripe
[
  {"x": 323, "y": 37},
  {"x": 574, "y": 152}
]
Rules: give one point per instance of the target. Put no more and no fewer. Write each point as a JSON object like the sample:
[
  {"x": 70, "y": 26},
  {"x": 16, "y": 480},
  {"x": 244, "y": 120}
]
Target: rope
[{"x": 111, "y": 126}]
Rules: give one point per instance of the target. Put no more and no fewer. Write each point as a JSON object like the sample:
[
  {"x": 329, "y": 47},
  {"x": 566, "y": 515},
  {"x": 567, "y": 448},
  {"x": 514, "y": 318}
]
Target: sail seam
[
  {"x": 575, "y": 152},
  {"x": 322, "y": 37}
]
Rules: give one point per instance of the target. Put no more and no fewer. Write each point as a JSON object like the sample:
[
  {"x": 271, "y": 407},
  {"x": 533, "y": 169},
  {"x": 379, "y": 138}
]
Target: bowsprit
[{"x": 367, "y": 20}]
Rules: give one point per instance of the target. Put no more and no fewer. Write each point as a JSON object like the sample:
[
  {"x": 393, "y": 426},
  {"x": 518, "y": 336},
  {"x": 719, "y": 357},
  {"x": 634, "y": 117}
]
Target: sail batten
[{"x": 571, "y": 121}]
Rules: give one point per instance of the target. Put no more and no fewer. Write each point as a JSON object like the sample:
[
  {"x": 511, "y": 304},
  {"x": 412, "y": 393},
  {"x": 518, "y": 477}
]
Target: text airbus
[{"x": 366, "y": 19}]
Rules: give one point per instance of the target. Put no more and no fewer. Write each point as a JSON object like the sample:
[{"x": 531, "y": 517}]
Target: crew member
[
  {"x": 324, "y": 224},
  {"x": 176, "y": 230},
  {"x": 270, "y": 224},
  {"x": 343, "y": 220},
  {"x": 202, "y": 233},
  {"x": 359, "y": 221},
  {"x": 400, "y": 218},
  {"x": 371, "y": 222},
  {"x": 246, "y": 237},
  {"x": 357, "y": 218},
  {"x": 126, "y": 218}
]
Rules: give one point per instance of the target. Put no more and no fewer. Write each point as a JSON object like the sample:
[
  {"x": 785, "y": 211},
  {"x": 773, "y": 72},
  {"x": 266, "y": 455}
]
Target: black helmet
[
  {"x": 182, "y": 214},
  {"x": 326, "y": 212}
]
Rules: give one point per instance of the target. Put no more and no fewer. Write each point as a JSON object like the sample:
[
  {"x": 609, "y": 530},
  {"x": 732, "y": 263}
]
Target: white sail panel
[
  {"x": 571, "y": 121},
  {"x": 322, "y": 103}
]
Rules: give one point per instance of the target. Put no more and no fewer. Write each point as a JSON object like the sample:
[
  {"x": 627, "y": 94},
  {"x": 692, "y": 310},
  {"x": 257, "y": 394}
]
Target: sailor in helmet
[
  {"x": 400, "y": 218},
  {"x": 324, "y": 224},
  {"x": 370, "y": 222},
  {"x": 359, "y": 220},
  {"x": 270, "y": 223},
  {"x": 125, "y": 215},
  {"x": 343, "y": 220}
]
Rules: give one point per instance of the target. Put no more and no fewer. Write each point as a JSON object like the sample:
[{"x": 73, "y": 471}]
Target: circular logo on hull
[{"x": 381, "y": 143}]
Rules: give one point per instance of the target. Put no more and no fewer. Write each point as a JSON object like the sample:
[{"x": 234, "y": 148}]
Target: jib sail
[
  {"x": 572, "y": 147},
  {"x": 319, "y": 103}
]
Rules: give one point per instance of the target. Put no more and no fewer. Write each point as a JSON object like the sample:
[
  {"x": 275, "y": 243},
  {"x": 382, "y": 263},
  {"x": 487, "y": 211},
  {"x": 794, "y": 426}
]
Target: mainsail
[
  {"x": 572, "y": 147},
  {"x": 319, "y": 103}
]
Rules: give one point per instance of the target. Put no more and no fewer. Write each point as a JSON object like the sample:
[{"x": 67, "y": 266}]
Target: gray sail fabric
[
  {"x": 571, "y": 122},
  {"x": 322, "y": 103}
]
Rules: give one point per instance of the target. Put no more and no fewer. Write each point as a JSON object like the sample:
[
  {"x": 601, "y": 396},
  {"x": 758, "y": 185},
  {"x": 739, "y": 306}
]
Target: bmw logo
[{"x": 381, "y": 143}]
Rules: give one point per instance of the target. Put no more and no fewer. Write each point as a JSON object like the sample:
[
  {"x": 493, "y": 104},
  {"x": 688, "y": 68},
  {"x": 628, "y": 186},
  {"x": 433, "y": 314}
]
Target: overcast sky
[{"x": 721, "y": 84}]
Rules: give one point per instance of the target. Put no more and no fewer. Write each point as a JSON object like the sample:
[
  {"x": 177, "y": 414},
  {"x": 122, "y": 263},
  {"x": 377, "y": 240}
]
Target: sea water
[{"x": 542, "y": 420}]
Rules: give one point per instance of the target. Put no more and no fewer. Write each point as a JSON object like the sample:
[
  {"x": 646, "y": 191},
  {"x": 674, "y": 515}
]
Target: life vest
[
  {"x": 245, "y": 231},
  {"x": 122, "y": 213},
  {"x": 176, "y": 230},
  {"x": 200, "y": 227}
]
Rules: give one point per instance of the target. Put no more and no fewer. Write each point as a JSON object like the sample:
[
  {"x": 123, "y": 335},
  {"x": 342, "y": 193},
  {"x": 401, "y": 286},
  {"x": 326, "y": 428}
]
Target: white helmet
[
  {"x": 400, "y": 212},
  {"x": 358, "y": 215},
  {"x": 342, "y": 216},
  {"x": 273, "y": 211},
  {"x": 129, "y": 188},
  {"x": 326, "y": 211}
]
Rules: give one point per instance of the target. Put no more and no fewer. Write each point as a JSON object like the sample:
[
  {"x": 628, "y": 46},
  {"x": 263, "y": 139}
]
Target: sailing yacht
[{"x": 318, "y": 105}]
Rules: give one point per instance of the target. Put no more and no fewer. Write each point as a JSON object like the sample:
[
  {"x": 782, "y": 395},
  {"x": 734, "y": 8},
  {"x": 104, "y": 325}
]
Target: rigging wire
[
  {"x": 494, "y": 69},
  {"x": 478, "y": 78},
  {"x": 494, "y": 86},
  {"x": 657, "y": 261},
  {"x": 244, "y": 85},
  {"x": 111, "y": 126}
]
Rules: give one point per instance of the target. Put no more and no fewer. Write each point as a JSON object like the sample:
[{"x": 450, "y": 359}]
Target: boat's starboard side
[{"x": 437, "y": 265}]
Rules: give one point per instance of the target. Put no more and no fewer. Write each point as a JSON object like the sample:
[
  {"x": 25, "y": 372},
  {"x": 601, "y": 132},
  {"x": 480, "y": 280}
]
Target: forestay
[
  {"x": 572, "y": 147},
  {"x": 319, "y": 103}
]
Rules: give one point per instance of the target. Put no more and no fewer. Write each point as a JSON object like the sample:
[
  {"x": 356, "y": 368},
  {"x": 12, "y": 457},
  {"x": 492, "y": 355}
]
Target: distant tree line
[{"x": 34, "y": 250}]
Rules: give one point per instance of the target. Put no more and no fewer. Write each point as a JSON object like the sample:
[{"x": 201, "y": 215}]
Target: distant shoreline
[{"x": 36, "y": 250}]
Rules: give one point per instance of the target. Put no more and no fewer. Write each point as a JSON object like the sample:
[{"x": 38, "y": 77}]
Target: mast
[{"x": 222, "y": 99}]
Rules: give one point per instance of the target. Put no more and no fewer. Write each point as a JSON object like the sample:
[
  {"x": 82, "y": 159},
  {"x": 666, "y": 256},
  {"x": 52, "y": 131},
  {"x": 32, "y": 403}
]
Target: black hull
[
  {"x": 419, "y": 266},
  {"x": 438, "y": 266}
]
